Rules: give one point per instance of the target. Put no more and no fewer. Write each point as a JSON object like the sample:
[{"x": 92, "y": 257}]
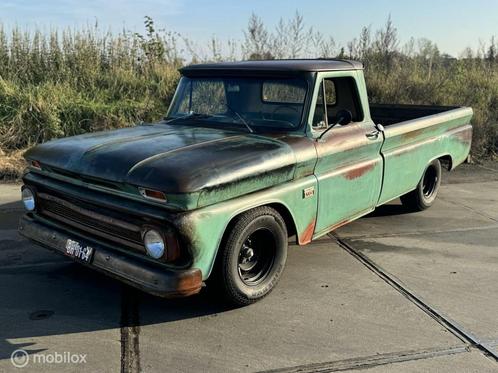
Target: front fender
[{"x": 204, "y": 228}]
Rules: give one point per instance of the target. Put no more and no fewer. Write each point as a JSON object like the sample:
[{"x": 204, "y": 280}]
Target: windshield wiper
[
  {"x": 244, "y": 122},
  {"x": 208, "y": 116},
  {"x": 188, "y": 116}
]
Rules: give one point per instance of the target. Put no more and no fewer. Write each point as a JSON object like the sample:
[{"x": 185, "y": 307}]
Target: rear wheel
[
  {"x": 253, "y": 258},
  {"x": 425, "y": 194}
]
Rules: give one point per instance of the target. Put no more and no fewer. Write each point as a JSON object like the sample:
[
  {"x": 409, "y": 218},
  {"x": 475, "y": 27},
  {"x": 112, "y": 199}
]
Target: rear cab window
[{"x": 274, "y": 91}]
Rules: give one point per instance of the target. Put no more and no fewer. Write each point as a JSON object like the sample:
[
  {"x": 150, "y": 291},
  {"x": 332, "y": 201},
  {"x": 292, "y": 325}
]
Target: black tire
[
  {"x": 251, "y": 261},
  {"x": 425, "y": 194}
]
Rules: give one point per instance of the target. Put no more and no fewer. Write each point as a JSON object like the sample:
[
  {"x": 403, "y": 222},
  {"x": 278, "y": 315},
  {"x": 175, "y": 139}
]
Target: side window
[
  {"x": 319, "y": 117},
  {"x": 330, "y": 96},
  {"x": 338, "y": 94}
]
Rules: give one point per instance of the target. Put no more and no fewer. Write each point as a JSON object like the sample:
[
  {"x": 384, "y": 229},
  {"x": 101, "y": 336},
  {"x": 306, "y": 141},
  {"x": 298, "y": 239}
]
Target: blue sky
[{"x": 453, "y": 25}]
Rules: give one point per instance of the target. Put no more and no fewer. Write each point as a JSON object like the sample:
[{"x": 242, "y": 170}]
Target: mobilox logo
[{"x": 20, "y": 358}]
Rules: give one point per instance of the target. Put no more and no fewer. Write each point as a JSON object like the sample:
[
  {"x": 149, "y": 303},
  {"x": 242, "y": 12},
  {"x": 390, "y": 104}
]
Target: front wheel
[
  {"x": 425, "y": 194},
  {"x": 254, "y": 256}
]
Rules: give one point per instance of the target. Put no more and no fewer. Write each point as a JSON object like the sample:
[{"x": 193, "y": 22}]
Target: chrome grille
[{"x": 82, "y": 216}]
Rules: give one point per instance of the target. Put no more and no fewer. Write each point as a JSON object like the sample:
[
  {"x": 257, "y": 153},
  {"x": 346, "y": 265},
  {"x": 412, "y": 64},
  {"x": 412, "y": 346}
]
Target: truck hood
[{"x": 172, "y": 158}]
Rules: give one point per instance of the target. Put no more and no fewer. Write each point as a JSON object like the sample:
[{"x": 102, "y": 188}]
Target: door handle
[{"x": 372, "y": 135}]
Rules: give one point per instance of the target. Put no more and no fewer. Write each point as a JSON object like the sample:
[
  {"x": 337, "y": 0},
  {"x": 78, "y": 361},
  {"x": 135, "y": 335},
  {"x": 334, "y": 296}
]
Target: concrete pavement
[{"x": 360, "y": 299}]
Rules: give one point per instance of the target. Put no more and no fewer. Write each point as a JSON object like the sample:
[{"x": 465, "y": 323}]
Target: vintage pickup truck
[{"x": 249, "y": 155}]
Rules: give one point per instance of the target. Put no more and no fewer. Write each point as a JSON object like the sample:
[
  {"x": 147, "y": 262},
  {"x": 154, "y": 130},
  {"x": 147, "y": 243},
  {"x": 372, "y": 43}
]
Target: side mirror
[{"x": 344, "y": 117}]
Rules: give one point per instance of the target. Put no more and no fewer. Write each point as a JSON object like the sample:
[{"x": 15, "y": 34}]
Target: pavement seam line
[
  {"x": 130, "y": 330},
  {"x": 372, "y": 361},
  {"x": 487, "y": 168},
  {"x": 469, "y": 208},
  {"x": 417, "y": 233},
  {"x": 451, "y": 325}
]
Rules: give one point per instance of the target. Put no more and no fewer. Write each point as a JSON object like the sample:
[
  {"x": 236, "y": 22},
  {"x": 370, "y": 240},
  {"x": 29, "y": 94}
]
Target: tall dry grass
[{"x": 73, "y": 81}]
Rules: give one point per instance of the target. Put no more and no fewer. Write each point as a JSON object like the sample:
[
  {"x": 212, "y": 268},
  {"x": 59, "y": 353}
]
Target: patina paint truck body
[{"x": 316, "y": 176}]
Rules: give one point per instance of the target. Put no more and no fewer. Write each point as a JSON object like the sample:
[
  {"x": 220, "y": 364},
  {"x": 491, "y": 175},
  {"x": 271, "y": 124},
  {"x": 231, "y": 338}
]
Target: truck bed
[
  {"x": 414, "y": 136},
  {"x": 388, "y": 114}
]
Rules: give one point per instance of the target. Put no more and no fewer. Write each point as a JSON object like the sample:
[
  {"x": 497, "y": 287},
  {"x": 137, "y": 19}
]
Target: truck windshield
[{"x": 251, "y": 103}]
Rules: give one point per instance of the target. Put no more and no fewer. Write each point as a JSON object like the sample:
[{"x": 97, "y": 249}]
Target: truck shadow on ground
[
  {"x": 45, "y": 294},
  {"x": 12, "y": 206},
  {"x": 69, "y": 298},
  {"x": 388, "y": 210}
]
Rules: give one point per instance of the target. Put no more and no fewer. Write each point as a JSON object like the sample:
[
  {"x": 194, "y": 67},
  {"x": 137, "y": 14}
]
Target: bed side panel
[{"x": 410, "y": 146}]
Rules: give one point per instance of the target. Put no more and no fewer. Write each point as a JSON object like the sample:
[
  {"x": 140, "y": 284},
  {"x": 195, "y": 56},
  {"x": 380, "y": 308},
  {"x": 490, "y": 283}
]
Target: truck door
[{"x": 349, "y": 167}]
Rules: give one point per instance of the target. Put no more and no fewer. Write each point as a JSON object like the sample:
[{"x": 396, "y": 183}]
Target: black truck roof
[{"x": 272, "y": 66}]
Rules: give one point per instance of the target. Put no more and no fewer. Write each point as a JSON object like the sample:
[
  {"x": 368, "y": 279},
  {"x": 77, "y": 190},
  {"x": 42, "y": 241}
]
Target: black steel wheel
[
  {"x": 251, "y": 261},
  {"x": 430, "y": 182},
  {"x": 425, "y": 194},
  {"x": 256, "y": 257}
]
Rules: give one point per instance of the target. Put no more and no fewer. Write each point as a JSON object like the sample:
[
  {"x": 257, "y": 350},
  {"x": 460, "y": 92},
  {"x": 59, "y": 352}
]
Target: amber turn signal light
[
  {"x": 152, "y": 194},
  {"x": 36, "y": 164}
]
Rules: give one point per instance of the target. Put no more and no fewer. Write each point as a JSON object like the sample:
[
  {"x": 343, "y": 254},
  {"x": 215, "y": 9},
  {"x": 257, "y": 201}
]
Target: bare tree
[
  {"x": 257, "y": 40},
  {"x": 297, "y": 37},
  {"x": 232, "y": 50},
  {"x": 280, "y": 40},
  {"x": 290, "y": 39},
  {"x": 215, "y": 49},
  {"x": 409, "y": 48},
  {"x": 322, "y": 46},
  {"x": 364, "y": 42},
  {"x": 491, "y": 54},
  {"x": 429, "y": 53},
  {"x": 193, "y": 50},
  {"x": 386, "y": 42}
]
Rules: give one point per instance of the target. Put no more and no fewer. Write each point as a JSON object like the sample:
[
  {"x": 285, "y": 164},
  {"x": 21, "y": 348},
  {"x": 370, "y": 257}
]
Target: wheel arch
[
  {"x": 278, "y": 206},
  {"x": 446, "y": 161}
]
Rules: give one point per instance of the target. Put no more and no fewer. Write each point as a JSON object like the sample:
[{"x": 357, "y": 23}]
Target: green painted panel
[
  {"x": 349, "y": 167},
  {"x": 206, "y": 226},
  {"x": 410, "y": 146}
]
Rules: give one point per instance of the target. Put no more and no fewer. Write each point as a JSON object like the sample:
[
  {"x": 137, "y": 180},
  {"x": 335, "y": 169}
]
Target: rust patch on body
[
  {"x": 464, "y": 136},
  {"x": 403, "y": 151},
  {"x": 412, "y": 134},
  {"x": 359, "y": 171},
  {"x": 342, "y": 139},
  {"x": 307, "y": 235},
  {"x": 188, "y": 284},
  {"x": 338, "y": 225}
]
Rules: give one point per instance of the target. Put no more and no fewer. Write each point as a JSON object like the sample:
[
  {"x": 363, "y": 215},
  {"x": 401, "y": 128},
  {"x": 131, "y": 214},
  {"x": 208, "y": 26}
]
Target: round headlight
[
  {"x": 154, "y": 244},
  {"x": 28, "y": 199}
]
